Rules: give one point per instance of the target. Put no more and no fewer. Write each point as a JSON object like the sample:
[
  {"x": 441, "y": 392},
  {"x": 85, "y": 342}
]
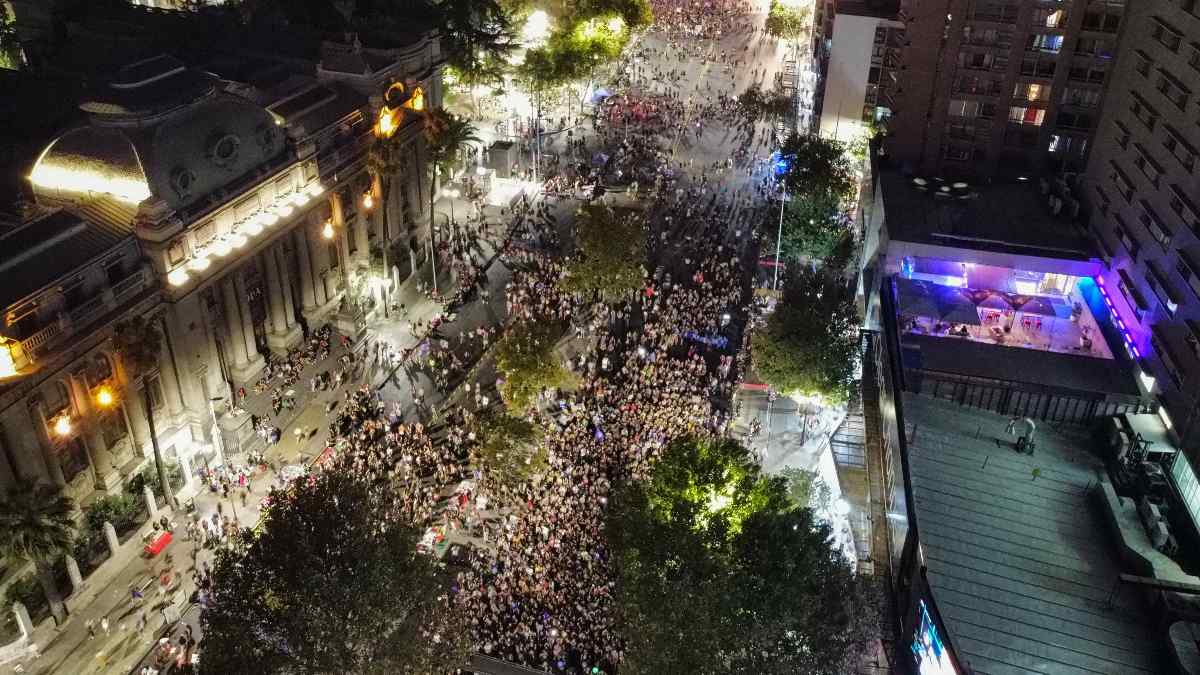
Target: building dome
[
  {"x": 91, "y": 161},
  {"x": 208, "y": 146}
]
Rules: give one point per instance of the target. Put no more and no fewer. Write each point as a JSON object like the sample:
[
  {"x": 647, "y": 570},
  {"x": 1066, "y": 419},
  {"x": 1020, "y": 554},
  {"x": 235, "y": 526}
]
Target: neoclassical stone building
[{"x": 229, "y": 204}]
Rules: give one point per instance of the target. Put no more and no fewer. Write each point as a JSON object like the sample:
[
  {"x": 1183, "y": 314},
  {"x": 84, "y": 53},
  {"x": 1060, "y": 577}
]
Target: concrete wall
[{"x": 846, "y": 81}]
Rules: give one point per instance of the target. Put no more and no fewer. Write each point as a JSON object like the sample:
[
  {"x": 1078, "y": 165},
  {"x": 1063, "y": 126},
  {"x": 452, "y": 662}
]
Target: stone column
[
  {"x": 361, "y": 242},
  {"x": 319, "y": 252},
  {"x": 283, "y": 333},
  {"x": 233, "y": 322},
  {"x": 151, "y": 503},
  {"x": 256, "y": 361},
  {"x": 285, "y": 283},
  {"x": 53, "y": 468},
  {"x": 93, "y": 438},
  {"x": 304, "y": 262},
  {"x": 24, "y": 623}
]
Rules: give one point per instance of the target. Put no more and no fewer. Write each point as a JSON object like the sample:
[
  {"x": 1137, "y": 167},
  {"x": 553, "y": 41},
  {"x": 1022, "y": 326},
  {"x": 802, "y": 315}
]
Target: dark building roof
[
  {"x": 1003, "y": 217},
  {"x": 1001, "y": 362},
  {"x": 1020, "y": 564},
  {"x": 51, "y": 248}
]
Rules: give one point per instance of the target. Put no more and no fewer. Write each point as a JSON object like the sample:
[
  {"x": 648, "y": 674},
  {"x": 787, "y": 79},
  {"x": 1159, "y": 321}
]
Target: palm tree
[
  {"x": 384, "y": 161},
  {"x": 39, "y": 526},
  {"x": 139, "y": 343},
  {"x": 447, "y": 134}
]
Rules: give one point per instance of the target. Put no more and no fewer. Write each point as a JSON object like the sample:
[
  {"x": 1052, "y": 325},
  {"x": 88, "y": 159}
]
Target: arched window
[{"x": 57, "y": 398}]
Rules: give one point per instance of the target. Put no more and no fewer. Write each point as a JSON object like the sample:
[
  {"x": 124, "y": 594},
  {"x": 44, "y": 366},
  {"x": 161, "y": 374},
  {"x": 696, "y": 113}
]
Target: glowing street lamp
[
  {"x": 62, "y": 425},
  {"x": 8, "y": 364},
  {"x": 615, "y": 24},
  {"x": 177, "y": 277},
  {"x": 105, "y": 397},
  {"x": 537, "y": 28},
  {"x": 327, "y": 231},
  {"x": 368, "y": 200}
]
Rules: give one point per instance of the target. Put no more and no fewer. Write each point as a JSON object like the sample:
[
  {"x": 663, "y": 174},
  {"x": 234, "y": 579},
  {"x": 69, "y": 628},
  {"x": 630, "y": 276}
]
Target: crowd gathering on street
[{"x": 658, "y": 366}]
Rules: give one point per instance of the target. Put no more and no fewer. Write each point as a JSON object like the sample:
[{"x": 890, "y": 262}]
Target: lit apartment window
[
  {"x": 1030, "y": 91},
  {"x": 1042, "y": 42},
  {"x": 1049, "y": 18},
  {"x": 1173, "y": 89},
  {"x": 1060, "y": 143},
  {"x": 970, "y": 109},
  {"x": 1180, "y": 149},
  {"x": 1154, "y": 225},
  {"x": 1168, "y": 35},
  {"x": 1150, "y": 168},
  {"x": 1031, "y": 116},
  {"x": 1122, "y": 182}
]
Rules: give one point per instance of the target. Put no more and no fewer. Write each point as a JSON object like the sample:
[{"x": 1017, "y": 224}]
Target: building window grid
[
  {"x": 1143, "y": 111},
  {"x": 1123, "y": 134},
  {"x": 1137, "y": 304},
  {"x": 1149, "y": 167},
  {"x": 1172, "y": 89},
  {"x": 1185, "y": 208},
  {"x": 1187, "y": 484},
  {"x": 1122, "y": 182},
  {"x": 1179, "y": 148},
  {"x": 1166, "y": 34},
  {"x": 1158, "y": 283},
  {"x": 1142, "y": 62},
  {"x": 1189, "y": 270},
  {"x": 1026, "y": 115},
  {"x": 1154, "y": 225},
  {"x": 1121, "y": 229},
  {"x": 1165, "y": 359}
]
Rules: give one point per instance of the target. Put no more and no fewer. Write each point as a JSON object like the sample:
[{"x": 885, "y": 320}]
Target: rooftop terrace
[{"x": 1021, "y": 565}]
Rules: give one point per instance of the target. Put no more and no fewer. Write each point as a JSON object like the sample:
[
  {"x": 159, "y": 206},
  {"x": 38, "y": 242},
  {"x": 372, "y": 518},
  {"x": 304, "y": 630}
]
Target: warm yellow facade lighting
[
  {"x": 327, "y": 231},
  {"x": 62, "y": 425},
  {"x": 220, "y": 248},
  {"x": 105, "y": 397},
  {"x": 177, "y": 277},
  {"x": 237, "y": 240},
  {"x": 368, "y": 201},
  {"x": 199, "y": 263},
  {"x": 69, "y": 179},
  {"x": 8, "y": 365}
]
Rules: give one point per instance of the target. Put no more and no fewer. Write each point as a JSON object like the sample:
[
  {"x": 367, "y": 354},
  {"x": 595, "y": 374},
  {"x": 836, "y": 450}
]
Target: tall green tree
[
  {"x": 446, "y": 135},
  {"x": 384, "y": 162},
  {"x": 331, "y": 582},
  {"x": 478, "y": 36},
  {"x": 719, "y": 572},
  {"x": 609, "y": 262},
  {"x": 528, "y": 364},
  {"x": 812, "y": 228},
  {"x": 508, "y": 448},
  {"x": 788, "y": 21},
  {"x": 38, "y": 523},
  {"x": 810, "y": 342},
  {"x": 139, "y": 344},
  {"x": 10, "y": 43},
  {"x": 817, "y": 168}
]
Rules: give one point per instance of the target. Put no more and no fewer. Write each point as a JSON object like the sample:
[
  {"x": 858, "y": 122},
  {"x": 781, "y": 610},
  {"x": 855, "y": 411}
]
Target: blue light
[{"x": 780, "y": 162}]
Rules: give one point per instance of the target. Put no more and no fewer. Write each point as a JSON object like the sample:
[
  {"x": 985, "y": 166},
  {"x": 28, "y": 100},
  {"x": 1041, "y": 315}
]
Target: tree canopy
[
  {"x": 718, "y": 572},
  {"x": 508, "y": 448},
  {"x": 528, "y": 364},
  {"x": 787, "y": 22},
  {"x": 38, "y": 523},
  {"x": 810, "y": 342},
  {"x": 477, "y": 35},
  {"x": 330, "y": 582},
  {"x": 583, "y": 35},
  {"x": 609, "y": 261},
  {"x": 813, "y": 226},
  {"x": 756, "y": 103},
  {"x": 817, "y": 167}
]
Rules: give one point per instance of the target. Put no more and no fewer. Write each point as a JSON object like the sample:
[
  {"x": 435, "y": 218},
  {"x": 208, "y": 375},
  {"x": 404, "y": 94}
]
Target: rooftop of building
[
  {"x": 56, "y": 245},
  {"x": 999, "y": 217},
  {"x": 1020, "y": 562}
]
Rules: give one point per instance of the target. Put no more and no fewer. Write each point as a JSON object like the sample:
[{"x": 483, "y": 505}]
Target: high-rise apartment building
[
  {"x": 1001, "y": 88},
  {"x": 1145, "y": 197}
]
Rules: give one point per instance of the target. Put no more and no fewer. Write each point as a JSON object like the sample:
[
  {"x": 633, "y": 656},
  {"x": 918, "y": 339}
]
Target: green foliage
[
  {"x": 38, "y": 523},
  {"x": 585, "y": 34},
  {"x": 806, "y": 489},
  {"x": 812, "y": 228},
  {"x": 746, "y": 583},
  {"x": 123, "y": 511},
  {"x": 786, "y": 22},
  {"x": 611, "y": 254},
  {"x": 28, "y": 592},
  {"x": 331, "y": 583},
  {"x": 526, "y": 359},
  {"x": 478, "y": 36},
  {"x": 509, "y": 448},
  {"x": 148, "y": 476},
  {"x": 446, "y": 135},
  {"x": 10, "y": 43},
  {"x": 817, "y": 168},
  {"x": 810, "y": 342}
]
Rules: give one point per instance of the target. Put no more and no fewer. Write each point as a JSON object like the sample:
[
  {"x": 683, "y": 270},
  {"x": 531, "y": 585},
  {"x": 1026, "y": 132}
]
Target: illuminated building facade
[{"x": 230, "y": 204}]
